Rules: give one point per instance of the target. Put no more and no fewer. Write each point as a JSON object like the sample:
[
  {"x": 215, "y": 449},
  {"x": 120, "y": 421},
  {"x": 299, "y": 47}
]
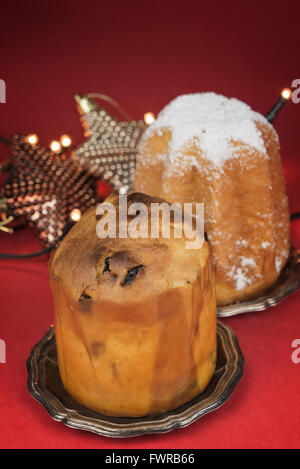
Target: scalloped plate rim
[
  {"x": 269, "y": 299},
  {"x": 190, "y": 412}
]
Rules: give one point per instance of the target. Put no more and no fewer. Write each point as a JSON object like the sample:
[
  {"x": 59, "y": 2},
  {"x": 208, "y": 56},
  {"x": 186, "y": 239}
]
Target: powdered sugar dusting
[
  {"x": 150, "y": 162},
  {"x": 247, "y": 261},
  {"x": 240, "y": 278},
  {"x": 215, "y": 124},
  {"x": 244, "y": 273},
  {"x": 280, "y": 260}
]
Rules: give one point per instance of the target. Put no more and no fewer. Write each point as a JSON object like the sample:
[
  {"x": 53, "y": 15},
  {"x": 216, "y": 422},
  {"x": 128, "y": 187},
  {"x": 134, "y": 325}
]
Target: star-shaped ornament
[
  {"x": 111, "y": 148},
  {"x": 45, "y": 190}
]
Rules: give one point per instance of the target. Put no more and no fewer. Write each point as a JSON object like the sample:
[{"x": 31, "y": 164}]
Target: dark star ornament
[
  {"x": 44, "y": 188},
  {"x": 111, "y": 148}
]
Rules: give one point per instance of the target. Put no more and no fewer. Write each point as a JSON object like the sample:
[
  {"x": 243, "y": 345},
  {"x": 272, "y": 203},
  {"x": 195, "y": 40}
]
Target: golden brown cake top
[{"x": 123, "y": 269}]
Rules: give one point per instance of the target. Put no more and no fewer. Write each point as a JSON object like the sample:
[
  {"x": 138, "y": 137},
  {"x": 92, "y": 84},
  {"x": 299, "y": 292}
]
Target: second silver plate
[
  {"x": 288, "y": 282},
  {"x": 45, "y": 386}
]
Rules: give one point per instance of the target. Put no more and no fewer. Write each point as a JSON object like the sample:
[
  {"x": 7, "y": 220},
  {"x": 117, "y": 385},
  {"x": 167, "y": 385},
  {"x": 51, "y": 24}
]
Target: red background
[{"x": 143, "y": 54}]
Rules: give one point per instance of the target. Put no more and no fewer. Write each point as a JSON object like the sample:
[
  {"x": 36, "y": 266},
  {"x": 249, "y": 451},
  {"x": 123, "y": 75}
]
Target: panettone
[
  {"x": 135, "y": 319},
  {"x": 204, "y": 147}
]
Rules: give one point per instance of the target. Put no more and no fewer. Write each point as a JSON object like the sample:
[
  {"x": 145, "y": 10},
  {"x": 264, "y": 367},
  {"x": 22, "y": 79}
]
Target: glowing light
[
  {"x": 55, "y": 146},
  {"x": 286, "y": 93},
  {"x": 149, "y": 118},
  {"x": 75, "y": 215},
  {"x": 32, "y": 139},
  {"x": 65, "y": 140}
]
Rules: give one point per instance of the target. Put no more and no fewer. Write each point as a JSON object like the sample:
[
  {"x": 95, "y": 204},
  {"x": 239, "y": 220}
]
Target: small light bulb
[
  {"x": 65, "y": 140},
  {"x": 32, "y": 139},
  {"x": 149, "y": 118},
  {"x": 286, "y": 93},
  {"x": 75, "y": 215},
  {"x": 55, "y": 146}
]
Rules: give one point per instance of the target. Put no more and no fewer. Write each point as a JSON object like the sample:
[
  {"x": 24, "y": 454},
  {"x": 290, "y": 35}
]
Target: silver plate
[
  {"x": 45, "y": 386},
  {"x": 288, "y": 282}
]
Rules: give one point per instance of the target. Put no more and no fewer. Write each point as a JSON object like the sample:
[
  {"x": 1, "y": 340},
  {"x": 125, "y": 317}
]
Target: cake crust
[
  {"x": 135, "y": 319},
  {"x": 226, "y": 155}
]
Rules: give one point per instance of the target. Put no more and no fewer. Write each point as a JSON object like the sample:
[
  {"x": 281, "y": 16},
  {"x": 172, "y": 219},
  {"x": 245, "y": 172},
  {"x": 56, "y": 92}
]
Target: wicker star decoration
[
  {"x": 43, "y": 189},
  {"x": 111, "y": 148}
]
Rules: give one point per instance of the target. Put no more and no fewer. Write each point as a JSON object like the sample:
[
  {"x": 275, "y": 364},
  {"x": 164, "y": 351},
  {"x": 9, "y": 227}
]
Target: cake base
[
  {"x": 287, "y": 283},
  {"x": 45, "y": 386}
]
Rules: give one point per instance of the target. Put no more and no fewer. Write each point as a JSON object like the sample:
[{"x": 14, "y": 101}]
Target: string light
[
  {"x": 75, "y": 215},
  {"x": 66, "y": 141},
  {"x": 285, "y": 95},
  {"x": 149, "y": 118},
  {"x": 55, "y": 146},
  {"x": 32, "y": 139}
]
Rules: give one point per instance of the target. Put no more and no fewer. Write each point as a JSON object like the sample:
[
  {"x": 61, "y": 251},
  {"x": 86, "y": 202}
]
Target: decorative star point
[
  {"x": 111, "y": 149},
  {"x": 43, "y": 189}
]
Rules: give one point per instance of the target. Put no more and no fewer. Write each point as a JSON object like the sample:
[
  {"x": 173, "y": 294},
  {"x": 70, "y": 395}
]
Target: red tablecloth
[{"x": 144, "y": 54}]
